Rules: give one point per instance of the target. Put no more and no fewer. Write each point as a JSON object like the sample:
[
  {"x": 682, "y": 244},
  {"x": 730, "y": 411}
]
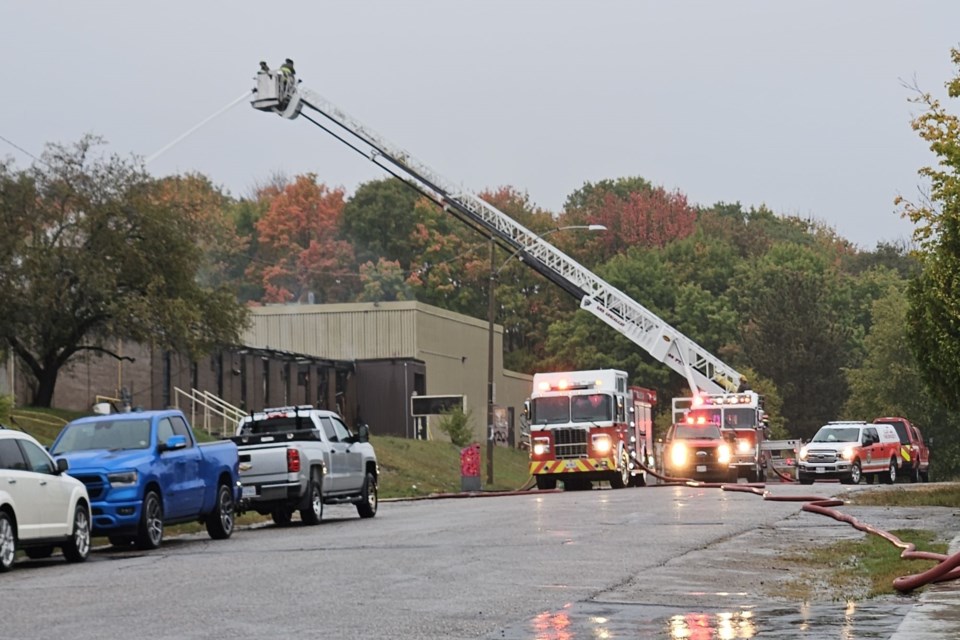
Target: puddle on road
[{"x": 610, "y": 621}]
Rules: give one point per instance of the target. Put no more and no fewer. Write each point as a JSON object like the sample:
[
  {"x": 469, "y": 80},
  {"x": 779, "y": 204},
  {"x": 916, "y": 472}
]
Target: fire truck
[
  {"x": 586, "y": 427},
  {"x": 742, "y": 413},
  {"x": 704, "y": 372}
]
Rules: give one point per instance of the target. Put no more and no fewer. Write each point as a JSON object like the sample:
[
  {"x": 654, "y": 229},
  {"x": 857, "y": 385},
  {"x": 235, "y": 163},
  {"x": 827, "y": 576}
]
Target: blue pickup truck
[{"x": 145, "y": 469}]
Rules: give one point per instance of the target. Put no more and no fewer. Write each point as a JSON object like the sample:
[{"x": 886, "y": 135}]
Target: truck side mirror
[
  {"x": 525, "y": 414},
  {"x": 174, "y": 442},
  {"x": 363, "y": 432}
]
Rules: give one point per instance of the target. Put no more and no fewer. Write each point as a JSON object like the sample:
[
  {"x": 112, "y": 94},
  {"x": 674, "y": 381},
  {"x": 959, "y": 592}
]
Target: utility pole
[{"x": 491, "y": 319}]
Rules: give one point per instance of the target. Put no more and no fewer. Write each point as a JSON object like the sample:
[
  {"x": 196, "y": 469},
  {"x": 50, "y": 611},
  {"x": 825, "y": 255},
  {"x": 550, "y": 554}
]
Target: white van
[{"x": 848, "y": 451}]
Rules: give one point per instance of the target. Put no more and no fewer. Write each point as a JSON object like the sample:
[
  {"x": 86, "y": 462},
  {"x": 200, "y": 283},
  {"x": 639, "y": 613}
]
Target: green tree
[
  {"x": 889, "y": 383},
  {"x": 456, "y": 424},
  {"x": 92, "y": 249},
  {"x": 796, "y": 332},
  {"x": 379, "y": 221},
  {"x": 934, "y": 316}
]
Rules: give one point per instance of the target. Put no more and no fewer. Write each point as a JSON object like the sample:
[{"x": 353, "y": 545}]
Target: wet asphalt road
[{"x": 635, "y": 563}]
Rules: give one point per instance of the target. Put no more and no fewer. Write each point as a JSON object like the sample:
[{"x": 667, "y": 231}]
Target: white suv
[{"x": 41, "y": 507}]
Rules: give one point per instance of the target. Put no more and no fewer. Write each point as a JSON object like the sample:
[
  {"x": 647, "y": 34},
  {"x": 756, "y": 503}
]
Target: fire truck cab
[
  {"x": 742, "y": 413},
  {"x": 588, "y": 426}
]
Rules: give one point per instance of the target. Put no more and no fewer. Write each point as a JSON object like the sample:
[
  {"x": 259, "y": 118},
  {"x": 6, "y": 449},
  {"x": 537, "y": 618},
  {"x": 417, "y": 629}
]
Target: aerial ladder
[{"x": 703, "y": 372}]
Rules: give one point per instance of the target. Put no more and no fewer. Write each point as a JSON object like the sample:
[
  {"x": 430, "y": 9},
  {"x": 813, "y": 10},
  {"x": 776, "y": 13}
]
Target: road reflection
[
  {"x": 725, "y": 625},
  {"x": 608, "y": 621}
]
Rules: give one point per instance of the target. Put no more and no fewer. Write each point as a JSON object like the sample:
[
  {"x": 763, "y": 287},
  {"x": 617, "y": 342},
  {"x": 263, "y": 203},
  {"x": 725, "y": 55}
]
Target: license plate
[
  {"x": 820, "y": 469},
  {"x": 249, "y": 492},
  {"x": 701, "y": 468}
]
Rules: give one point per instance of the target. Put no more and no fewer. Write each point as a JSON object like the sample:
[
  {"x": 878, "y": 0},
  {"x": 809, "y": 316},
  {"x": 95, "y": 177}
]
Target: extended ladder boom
[{"x": 702, "y": 370}]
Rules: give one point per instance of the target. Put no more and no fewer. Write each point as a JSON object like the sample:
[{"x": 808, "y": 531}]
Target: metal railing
[{"x": 208, "y": 411}]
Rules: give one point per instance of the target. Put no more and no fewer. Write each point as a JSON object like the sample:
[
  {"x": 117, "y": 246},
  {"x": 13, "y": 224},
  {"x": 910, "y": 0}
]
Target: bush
[
  {"x": 6, "y": 405},
  {"x": 455, "y": 424}
]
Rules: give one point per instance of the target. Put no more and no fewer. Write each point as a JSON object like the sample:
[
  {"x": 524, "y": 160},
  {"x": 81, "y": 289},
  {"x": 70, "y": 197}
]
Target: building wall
[
  {"x": 358, "y": 350},
  {"x": 384, "y": 390},
  {"x": 452, "y": 346}
]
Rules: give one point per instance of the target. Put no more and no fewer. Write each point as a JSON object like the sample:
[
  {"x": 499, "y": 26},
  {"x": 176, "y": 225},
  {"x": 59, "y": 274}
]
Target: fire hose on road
[{"x": 948, "y": 567}]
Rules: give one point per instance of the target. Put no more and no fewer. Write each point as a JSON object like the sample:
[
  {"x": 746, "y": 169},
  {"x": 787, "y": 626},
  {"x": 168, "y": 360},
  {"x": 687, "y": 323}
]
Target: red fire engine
[{"x": 588, "y": 426}]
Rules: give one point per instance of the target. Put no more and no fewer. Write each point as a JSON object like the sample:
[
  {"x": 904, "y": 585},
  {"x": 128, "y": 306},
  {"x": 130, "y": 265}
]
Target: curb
[{"x": 937, "y": 613}]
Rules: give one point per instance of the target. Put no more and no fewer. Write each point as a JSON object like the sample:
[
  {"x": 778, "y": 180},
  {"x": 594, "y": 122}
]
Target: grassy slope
[{"x": 407, "y": 467}]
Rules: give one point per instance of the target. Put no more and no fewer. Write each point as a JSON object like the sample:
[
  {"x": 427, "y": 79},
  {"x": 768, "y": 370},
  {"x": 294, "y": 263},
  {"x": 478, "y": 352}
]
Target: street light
[{"x": 491, "y": 317}]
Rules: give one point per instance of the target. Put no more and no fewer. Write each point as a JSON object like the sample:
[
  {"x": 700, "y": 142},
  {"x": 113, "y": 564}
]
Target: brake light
[{"x": 293, "y": 461}]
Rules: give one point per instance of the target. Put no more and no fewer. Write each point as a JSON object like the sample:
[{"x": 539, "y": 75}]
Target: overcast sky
[{"x": 796, "y": 105}]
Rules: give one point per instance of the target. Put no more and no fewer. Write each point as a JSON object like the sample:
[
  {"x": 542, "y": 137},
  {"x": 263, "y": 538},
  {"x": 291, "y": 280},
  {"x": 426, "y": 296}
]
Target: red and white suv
[{"x": 849, "y": 451}]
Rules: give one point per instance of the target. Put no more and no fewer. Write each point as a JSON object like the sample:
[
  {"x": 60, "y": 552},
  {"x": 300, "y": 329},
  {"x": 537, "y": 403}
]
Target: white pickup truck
[{"x": 300, "y": 458}]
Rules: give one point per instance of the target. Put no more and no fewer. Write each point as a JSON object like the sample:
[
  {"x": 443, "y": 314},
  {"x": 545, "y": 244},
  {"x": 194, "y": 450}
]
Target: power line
[{"x": 19, "y": 148}]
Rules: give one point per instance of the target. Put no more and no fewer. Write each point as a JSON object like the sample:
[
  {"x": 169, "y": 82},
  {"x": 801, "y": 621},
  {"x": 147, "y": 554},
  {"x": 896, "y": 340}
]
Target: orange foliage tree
[{"x": 299, "y": 248}]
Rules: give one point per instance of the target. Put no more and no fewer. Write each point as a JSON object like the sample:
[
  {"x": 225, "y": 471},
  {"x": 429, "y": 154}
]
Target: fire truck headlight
[
  {"x": 601, "y": 444},
  {"x": 723, "y": 454},
  {"x": 847, "y": 453},
  {"x": 541, "y": 446},
  {"x": 743, "y": 446},
  {"x": 678, "y": 454},
  {"x": 803, "y": 453}
]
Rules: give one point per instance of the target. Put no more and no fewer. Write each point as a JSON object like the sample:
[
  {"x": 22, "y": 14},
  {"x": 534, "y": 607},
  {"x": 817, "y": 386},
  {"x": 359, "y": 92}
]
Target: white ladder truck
[{"x": 702, "y": 370}]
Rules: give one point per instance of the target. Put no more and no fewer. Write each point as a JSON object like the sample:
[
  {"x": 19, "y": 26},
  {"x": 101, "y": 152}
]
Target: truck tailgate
[{"x": 264, "y": 464}]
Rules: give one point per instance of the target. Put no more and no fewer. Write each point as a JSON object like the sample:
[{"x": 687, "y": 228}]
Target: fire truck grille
[{"x": 570, "y": 443}]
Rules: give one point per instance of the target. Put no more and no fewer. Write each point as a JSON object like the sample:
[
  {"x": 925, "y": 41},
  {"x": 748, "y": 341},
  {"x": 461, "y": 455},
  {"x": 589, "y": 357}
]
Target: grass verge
[
  {"x": 857, "y": 569},
  {"x": 917, "y": 495}
]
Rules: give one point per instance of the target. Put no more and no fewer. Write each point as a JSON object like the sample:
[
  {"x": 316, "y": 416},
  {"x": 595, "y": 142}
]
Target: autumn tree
[
  {"x": 93, "y": 249},
  {"x": 934, "y": 316},
  {"x": 299, "y": 247}
]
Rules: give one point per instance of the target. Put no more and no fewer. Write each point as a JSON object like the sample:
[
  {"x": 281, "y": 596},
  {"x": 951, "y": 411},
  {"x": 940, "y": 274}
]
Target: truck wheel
[
  {"x": 804, "y": 479},
  {"x": 150, "y": 530},
  {"x": 220, "y": 521},
  {"x": 313, "y": 512},
  {"x": 8, "y": 542},
  {"x": 367, "y": 507},
  {"x": 855, "y": 474},
  {"x": 77, "y": 548},
  {"x": 891, "y": 475},
  {"x": 545, "y": 483},
  {"x": 39, "y": 553},
  {"x": 925, "y": 476},
  {"x": 621, "y": 478},
  {"x": 915, "y": 474},
  {"x": 281, "y": 516}
]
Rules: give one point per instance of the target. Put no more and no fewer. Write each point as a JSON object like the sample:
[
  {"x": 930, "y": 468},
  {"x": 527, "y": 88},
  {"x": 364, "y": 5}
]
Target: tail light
[{"x": 293, "y": 461}]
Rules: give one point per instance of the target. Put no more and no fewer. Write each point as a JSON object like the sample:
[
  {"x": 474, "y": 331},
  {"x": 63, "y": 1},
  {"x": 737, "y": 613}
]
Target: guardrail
[{"x": 207, "y": 411}]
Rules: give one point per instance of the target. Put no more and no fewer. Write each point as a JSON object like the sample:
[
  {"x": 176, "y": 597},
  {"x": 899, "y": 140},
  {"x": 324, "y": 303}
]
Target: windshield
[
  {"x": 114, "y": 435},
  {"x": 703, "y": 416},
  {"x": 837, "y": 434},
  {"x": 740, "y": 417},
  {"x": 553, "y": 410},
  {"x": 592, "y": 408},
  {"x": 694, "y": 432}
]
